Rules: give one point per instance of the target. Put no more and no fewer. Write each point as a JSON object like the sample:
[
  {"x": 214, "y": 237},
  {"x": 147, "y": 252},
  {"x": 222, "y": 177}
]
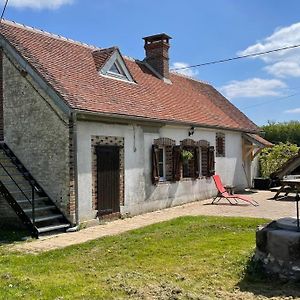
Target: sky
[{"x": 265, "y": 88}]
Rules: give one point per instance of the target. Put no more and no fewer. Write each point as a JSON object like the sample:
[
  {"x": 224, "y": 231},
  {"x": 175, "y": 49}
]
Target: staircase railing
[{"x": 30, "y": 201}]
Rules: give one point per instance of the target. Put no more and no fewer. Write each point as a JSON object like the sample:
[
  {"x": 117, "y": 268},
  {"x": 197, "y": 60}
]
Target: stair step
[
  {"x": 47, "y": 218},
  {"x": 14, "y": 183},
  {"x": 52, "y": 228},
  {"x": 36, "y": 199},
  {"x": 20, "y": 192},
  {"x": 9, "y": 166},
  {"x": 29, "y": 210},
  {"x": 14, "y": 174}
]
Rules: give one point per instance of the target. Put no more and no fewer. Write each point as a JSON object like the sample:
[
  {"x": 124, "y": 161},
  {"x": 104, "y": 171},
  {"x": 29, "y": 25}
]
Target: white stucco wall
[{"x": 140, "y": 194}]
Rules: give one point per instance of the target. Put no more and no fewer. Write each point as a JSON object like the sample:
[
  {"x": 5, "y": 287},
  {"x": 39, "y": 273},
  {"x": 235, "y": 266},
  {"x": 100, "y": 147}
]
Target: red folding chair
[{"x": 222, "y": 193}]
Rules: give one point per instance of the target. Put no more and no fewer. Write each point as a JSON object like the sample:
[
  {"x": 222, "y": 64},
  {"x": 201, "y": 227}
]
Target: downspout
[{"x": 77, "y": 220}]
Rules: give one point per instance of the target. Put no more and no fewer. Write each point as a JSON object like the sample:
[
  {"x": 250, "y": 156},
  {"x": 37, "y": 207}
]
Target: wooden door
[{"x": 108, "y": 179}]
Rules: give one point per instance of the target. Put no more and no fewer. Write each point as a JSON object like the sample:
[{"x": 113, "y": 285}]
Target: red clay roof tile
[{"x": 72, "y": 68}]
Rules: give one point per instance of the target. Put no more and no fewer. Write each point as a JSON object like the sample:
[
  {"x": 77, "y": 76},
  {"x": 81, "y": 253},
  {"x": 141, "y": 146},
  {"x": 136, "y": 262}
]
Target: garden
[{"x": 185, "y": 258}]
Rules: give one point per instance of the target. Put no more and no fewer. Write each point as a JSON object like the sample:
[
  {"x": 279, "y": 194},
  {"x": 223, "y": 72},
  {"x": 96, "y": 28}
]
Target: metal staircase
[{"x": 28, "y": 199}]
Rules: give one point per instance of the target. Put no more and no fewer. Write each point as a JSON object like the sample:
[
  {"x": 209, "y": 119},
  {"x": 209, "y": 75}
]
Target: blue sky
[{"x": 264, "y": 88}]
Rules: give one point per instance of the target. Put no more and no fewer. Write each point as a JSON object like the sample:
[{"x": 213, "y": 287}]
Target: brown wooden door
[{"x": 108, "y": 177}]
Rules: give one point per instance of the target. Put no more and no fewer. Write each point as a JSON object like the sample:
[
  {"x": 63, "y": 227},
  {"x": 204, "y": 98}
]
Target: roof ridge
[
  {"x": 49, "y": 34},
  {"x": 190, "y": 77}
]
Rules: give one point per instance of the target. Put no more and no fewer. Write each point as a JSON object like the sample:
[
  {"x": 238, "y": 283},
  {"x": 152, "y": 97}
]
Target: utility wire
[
  {"x": 270, "y": 101},
  {"x": 3, "y": 11},
  {"x": 236, "y": 58}
]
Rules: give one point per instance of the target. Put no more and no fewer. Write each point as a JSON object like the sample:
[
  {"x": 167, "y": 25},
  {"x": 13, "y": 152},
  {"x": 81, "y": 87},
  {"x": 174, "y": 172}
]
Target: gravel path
[{"x": 267, "y": 209}]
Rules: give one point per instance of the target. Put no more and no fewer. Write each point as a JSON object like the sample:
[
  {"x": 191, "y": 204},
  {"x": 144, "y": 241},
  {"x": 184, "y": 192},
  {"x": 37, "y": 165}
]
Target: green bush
[
  {"x": 282, "y": 132},
  {"x": 271, "y": 159}
]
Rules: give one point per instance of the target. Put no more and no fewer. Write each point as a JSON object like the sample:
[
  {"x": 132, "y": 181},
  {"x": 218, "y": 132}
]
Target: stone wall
[
  {"x": 277, "y": 249},
  {"x": 38, "y": 133}
]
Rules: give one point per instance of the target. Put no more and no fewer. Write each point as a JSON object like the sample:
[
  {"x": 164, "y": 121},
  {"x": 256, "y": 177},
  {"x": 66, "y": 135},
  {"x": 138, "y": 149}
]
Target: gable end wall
[{"x": 39, "y": 134}]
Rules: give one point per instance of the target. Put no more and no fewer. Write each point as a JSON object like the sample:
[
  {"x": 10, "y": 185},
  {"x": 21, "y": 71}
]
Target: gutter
[
  {"x": 74, "y": 121},
  {"x": 87, "y": 115}
]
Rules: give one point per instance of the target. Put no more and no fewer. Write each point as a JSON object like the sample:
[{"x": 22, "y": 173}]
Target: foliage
[
  {"x": 186, "y": 155},
  {"x": 271, "y": 159},
  {"x": 282, "y": 132},
  {"x": 185, "y": 258}
]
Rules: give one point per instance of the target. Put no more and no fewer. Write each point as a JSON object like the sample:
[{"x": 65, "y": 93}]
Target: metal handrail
[{"x": 32, "y": 192}]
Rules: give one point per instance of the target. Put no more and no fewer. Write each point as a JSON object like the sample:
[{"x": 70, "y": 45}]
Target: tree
[
  {"x": 271, "y": 159},
  {"x": 285, "y": 132}
]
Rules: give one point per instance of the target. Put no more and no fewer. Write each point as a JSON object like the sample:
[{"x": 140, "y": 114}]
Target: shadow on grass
[
  {"x": 9, "y": 235},
  {"x": 256, "y": 281}
]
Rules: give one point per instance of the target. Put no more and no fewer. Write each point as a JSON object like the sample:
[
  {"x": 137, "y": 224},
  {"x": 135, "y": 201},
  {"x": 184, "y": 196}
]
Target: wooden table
[{"x": 294, "y": 185}]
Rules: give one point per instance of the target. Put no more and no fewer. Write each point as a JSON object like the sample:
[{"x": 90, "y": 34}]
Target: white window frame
[
  {"x": 163, "y": 178},
  {"x": 118, "y": 60}
]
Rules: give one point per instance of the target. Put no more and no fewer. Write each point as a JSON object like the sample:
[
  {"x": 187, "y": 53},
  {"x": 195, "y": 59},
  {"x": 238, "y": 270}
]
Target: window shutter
[
  {"x": 196, "y": 162},
  {"x": 155, "y": 168},
  {"x": 169, "y": 162},
  {"x": 176, "y": 163},
  {"x": 204, "y": 160},
  {"x": 211, "y": 161}
]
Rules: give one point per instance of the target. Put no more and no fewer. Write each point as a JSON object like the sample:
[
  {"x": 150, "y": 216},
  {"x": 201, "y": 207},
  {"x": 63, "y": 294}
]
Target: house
[{"x": 87, "y": 132}]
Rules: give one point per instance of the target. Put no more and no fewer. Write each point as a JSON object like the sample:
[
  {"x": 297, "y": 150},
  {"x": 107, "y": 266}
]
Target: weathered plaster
[{"x": 140, "y": 195}]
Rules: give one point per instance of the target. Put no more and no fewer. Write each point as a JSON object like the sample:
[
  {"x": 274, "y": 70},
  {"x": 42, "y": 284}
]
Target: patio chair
[{"x": 222, "y": 193}]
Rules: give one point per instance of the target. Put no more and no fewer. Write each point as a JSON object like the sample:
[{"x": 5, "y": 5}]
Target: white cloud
[
  {"x": 253, "y": 87},
  {"x": 187, "y": 72},
  {"x": 282, "y": 63},
  {"x": 38, "y": 4},
  {"x": 293, "y": 111},
  {"x": 284, "y": 69}
]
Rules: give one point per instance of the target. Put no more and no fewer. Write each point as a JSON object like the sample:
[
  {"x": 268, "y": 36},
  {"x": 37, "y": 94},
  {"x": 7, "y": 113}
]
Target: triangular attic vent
[{"x": 115, "y": 67}]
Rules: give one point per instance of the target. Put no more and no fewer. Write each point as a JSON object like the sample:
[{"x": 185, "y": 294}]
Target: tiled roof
[
  {"x": 71, "y": 69},
  {"x": 101, "y": 56},
  {"x": 261, "y": 140}
]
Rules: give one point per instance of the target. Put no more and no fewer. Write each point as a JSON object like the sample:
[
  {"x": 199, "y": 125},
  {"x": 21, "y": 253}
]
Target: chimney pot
[{"x": 157, "y": 53}]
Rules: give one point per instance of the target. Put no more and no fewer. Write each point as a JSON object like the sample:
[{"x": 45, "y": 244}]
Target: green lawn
[{"x": 186, "y": 258}]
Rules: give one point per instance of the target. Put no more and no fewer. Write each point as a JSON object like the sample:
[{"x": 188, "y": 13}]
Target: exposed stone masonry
[{"x": 38, "y": 133}]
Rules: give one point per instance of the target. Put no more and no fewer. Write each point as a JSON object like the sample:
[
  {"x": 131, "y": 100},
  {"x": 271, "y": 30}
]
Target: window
[
  {"x": 207, "y": 158},
  {"x": 162, "y": 160},
  {"x": 190, "y": 159},
  {"x": 220, "y": 144},
  {"x": 162, "y": 164},
  {"x": 116, "y": 70},
  {"x": 188, "y": 165},
  {"x": 172, "y": 162},
  {"x": 115, "y": 67}
]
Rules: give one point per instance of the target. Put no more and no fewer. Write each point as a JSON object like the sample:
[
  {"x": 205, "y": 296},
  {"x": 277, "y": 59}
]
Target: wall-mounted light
[{"x": 191, "y": 131}]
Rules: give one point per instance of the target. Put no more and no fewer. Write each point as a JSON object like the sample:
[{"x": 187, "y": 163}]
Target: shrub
[
  {"x": 271, "y": 159},
  {"x": 282, "y": 132}
]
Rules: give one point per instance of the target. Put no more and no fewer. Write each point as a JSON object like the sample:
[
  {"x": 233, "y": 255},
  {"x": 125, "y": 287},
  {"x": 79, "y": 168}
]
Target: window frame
[
  {"x": 189, "y": 162},
  {"x": 162, "y": 178},
  {"x": 120, "y": 75},
  {"x": 220, "y": 144}
]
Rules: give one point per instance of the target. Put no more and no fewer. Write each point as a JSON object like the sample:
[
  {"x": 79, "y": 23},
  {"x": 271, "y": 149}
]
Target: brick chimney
[{"x": 157, "y": 53}]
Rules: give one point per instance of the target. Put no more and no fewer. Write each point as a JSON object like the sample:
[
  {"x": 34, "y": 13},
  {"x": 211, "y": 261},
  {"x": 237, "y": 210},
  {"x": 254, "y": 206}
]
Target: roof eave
[{"x": 88, "y": 115}]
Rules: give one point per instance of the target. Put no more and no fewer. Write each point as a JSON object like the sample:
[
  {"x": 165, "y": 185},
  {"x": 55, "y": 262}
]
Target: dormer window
[
  {"x": 115, "y": 67},
  {"x": 116, "y": 70}
]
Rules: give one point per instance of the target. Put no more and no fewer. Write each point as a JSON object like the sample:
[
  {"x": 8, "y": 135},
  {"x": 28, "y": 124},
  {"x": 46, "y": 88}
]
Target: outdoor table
[
  {"x": 294, "y": 183},
  {"x": 295, "y": 186}
]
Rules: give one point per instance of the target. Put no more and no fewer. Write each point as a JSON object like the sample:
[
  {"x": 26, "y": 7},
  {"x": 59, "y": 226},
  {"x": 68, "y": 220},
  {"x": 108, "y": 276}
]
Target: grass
[{"x": 186, "y": 258}]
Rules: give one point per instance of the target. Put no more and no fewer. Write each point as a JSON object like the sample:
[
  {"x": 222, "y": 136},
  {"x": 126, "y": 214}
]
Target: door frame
[{"x": 107, "y": 141}]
